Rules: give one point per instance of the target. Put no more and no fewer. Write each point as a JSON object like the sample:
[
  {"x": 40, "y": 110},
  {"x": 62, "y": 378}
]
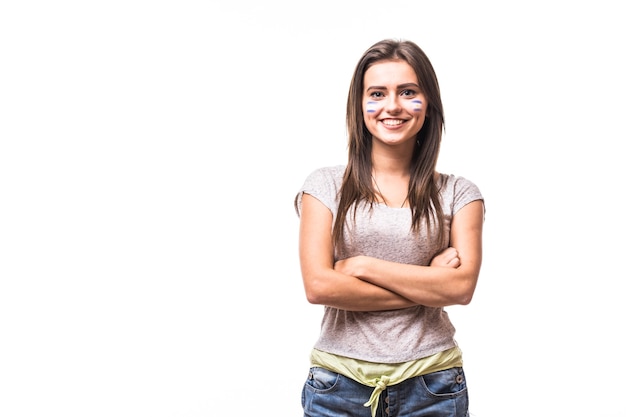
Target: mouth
[{"x": 392, "y": 122}]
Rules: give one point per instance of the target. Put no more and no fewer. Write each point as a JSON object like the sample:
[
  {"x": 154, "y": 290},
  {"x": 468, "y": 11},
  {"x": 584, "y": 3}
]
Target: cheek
[
  {"x": 371, "y": 107},
  {"x": 417, "y": 105}
]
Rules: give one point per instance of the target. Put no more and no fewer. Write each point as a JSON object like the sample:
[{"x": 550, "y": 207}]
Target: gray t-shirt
[{"x": 391, "y": 336}]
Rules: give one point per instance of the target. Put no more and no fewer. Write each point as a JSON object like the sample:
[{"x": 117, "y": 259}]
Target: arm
[
  {"x": 437, "y": 285},
  {"x": 325, "y": 285}
]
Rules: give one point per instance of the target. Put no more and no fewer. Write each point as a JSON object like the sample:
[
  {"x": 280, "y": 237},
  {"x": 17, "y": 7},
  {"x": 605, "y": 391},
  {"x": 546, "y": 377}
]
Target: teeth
[{"x": 394, "y": 122}]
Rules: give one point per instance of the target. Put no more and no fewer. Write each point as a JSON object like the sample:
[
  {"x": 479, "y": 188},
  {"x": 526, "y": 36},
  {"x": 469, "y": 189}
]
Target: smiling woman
[
  {"x": 386, "y": 243},
  {"x": 400, "y": 105}
]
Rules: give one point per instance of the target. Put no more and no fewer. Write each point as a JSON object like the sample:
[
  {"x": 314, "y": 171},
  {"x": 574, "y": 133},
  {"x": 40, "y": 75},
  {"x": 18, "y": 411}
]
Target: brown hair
[{"x": 357, "y": 186}]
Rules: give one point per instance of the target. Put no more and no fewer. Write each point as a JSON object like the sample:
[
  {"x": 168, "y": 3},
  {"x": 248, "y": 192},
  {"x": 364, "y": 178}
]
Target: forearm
[
  {"x": 427, "y": 285},
  {"x": 335, "y": 289}
]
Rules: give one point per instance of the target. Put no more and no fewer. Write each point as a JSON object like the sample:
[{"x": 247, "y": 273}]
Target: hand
[
  {"x": 347, "y": 266},
  {"x": 448, "y": 257}
]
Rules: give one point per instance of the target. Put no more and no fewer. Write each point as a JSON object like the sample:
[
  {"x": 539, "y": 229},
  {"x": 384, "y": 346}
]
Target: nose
[{"x": 393, "y": 104}]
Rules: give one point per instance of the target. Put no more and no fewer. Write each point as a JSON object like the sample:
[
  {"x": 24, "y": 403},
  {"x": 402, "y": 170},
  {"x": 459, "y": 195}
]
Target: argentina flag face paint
[
  {"x": 371, "y": 106},
  {"x": 417, "y": 105}
]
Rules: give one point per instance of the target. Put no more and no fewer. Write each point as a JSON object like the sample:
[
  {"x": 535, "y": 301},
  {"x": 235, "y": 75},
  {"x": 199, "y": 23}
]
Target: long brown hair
[{"x": 357, "y": 186}]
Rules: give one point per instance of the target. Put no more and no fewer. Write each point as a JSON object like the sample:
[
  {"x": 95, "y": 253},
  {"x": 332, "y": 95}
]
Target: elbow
[
  {"x": 312, "y": 297},
  {"x": 318, "y": 298},
  {"x": 320, "y": 286},
  {"x": 461, "y": 299},
  {"x": 465, "y": 292},
  {"x": 315, "y": 292}
]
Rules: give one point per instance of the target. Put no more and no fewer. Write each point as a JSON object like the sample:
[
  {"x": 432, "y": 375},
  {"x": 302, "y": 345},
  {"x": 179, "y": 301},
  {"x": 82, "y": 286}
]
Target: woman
[{"x": 386, "y": 242}]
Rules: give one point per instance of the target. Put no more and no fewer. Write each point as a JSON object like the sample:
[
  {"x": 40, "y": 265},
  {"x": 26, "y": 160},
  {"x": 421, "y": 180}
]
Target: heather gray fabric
[{"x": 397, "y": 335}]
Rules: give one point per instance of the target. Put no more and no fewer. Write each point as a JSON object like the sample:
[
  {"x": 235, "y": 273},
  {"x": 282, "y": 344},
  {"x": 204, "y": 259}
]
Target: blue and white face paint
[{"x": 371, "y": 106}]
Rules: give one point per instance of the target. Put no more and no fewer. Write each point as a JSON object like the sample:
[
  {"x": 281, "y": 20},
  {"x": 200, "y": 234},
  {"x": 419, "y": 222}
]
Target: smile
[{"x": 392, "y": 122}]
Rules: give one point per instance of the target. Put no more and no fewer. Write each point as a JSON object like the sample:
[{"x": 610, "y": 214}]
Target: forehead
[{"x": 389, "y": 73}]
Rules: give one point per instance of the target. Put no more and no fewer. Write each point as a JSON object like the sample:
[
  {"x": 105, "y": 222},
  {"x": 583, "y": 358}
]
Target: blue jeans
[{"x": 439, "y": 394}]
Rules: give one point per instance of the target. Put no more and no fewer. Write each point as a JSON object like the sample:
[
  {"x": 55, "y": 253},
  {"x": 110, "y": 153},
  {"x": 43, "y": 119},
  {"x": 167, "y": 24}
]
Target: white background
[{"x": 150, "y": 152}]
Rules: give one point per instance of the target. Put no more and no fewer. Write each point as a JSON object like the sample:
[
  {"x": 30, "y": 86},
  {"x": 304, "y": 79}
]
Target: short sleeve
[
  {"x": 323, "y": 184},
  {"x": 464, "y": 192}
]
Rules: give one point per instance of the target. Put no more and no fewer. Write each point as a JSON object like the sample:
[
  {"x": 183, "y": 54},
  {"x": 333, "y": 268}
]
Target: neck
[
  {"x": 391, "y": 186},
  {"x": 391, "y": 162}
]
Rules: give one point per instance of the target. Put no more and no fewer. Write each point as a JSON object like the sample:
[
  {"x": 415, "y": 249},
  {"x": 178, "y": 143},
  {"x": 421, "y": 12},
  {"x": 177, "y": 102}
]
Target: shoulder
[
  {"x": 455, "y": 181},
  {"x": 458, "y": 191},
  {"x": 330, "y": 171},
  {"x": 325, "y": 175},
  {"x": 324, "y": 184}
]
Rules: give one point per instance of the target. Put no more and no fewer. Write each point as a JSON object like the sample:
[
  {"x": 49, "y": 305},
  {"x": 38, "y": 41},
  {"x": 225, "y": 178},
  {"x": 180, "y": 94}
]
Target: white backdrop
[{"x": 150, "y": 152}]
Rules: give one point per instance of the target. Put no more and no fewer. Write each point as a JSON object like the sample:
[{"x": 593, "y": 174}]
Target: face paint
[
  {"x": 371, "y": 106},
  {"x": 417, "y": 105}
]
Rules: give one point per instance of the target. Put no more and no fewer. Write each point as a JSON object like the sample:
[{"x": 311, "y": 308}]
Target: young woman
[{"x": 386, "y": 242}]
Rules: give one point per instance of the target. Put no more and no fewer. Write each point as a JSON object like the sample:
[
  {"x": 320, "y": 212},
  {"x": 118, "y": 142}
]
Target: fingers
[
  {"x": 454, "y": 262},
  {"x": 448, "y": 257},
  {"x": 452, "y": 257},
  {"x": 449, "y": 253}
]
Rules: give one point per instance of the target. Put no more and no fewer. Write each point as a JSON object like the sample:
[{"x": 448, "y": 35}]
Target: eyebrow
[{"x": 399, "y": 87}]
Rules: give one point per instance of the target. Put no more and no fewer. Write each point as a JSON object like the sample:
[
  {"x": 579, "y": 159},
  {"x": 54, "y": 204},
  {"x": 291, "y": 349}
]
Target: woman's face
[{"x": 394, "y": 106}]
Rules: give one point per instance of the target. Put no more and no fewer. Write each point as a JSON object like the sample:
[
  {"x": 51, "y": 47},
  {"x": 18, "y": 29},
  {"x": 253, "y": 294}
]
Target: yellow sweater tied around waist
[{"x": 381, "y": 375}]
